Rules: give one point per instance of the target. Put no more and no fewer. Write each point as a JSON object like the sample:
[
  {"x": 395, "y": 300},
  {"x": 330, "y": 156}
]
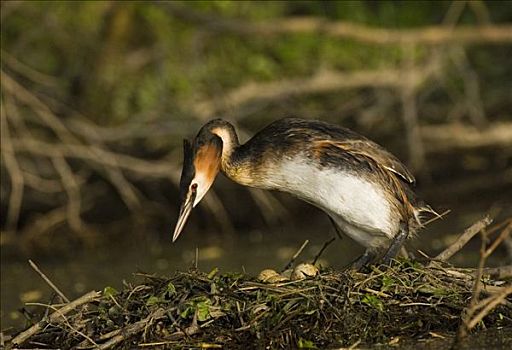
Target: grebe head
[{"x": 202, "y": 161}]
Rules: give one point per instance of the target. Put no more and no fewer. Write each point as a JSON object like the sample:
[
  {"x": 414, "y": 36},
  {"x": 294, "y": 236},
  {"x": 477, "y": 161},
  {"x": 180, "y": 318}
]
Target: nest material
[{"x": 194, "y": 309}]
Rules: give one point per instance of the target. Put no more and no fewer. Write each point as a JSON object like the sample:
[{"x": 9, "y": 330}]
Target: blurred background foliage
[
  {"x": 97, "y": 97},
  {"x": 118, "y": 61}
]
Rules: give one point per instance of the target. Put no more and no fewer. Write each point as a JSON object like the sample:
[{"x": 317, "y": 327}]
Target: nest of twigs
[
  {"x": 195, "y": 309},
  {"x": 386, "y": 304}
]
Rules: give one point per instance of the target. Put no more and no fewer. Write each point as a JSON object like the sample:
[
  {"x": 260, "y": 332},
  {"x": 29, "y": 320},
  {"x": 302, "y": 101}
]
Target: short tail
[{"x": 424, "y": 214}]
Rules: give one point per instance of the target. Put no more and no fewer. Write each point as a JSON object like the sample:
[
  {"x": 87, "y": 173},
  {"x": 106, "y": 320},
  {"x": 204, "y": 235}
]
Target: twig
[
  {"x": 132, "y": 329},
  {"x": 504, "y": 234},
  {"x": 469, "y": 311},
  {"x": 55, "y": 316},
  {"x": 296, "y": 255},
  {"x": 437, "y": 216},
  {"x": 47, "y": 280},
  {"x": 464, "y": 238},
  {"x": 66, "y": 321},
  {"x": 491, "y": 303},
  {"x": 326, "y": 244},
  {"x": 15, "y": 173}
]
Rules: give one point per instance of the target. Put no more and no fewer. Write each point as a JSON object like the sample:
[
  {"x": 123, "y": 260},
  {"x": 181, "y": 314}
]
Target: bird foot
[
  {"x": 395, "y": 245},
  {"x": 363, "y": 260}
]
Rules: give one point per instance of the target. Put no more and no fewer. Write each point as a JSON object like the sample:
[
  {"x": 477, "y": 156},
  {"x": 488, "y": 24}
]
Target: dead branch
[
  {"x": 320, "y": 252},
  {"x": 15, "y": 173},
  {"x": 48, "y": 281},
  {"x": 489, "y": 304},
  {"x": 125, "y": 189},
  {"x": 464, "y": 136},
  {"x": 322, "y": 82},
  {"x": 73, "y": 191},
  {"x": 155, "y": 169},
  {"x": 432, "y": 35},
  {"x": 56, "y": 316},
  {"x": 296, "y": 255},
  {"x": 477, "y": 308},
  {"x": 133, "y": 329},
  {"x": 464, "y": 238}
]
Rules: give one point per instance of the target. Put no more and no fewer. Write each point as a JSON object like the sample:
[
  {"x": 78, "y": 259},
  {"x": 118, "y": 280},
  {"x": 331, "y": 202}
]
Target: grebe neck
[{"x": 226, "y": 132}]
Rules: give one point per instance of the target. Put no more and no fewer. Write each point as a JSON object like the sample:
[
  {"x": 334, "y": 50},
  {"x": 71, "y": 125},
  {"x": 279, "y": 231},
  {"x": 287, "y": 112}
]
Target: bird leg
[
  {"x": 336, "y": 228},
  {"x": 396, "y": 244},
  {"x": 363, "y": 260}
]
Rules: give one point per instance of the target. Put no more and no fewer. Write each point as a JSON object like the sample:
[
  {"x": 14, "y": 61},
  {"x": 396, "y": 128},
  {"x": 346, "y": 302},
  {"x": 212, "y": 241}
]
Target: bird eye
[{"x": 194, "y": 187}]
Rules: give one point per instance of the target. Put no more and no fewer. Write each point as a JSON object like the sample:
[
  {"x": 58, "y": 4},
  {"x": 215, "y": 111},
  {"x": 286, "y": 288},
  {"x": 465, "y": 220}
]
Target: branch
[
  {"x": 155, "y": 169},
  {"x": 133, "y": 329},
  {"x": 464, "y": 238},
  {"x": 55, "y": 317},
  {"x": 459, "y": 136},
  {"x": 321, "y": 82},
  {"x": 430, "y": 35},
  {"x": 48, "y": 281},
  {"x": 15, "y": 173},
  {"x": 73, "y": 191}
]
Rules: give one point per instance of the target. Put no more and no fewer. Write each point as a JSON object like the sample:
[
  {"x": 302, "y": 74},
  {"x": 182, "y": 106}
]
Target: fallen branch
[
  {"x": 464, "y": 238},
  {"x": 132, "y": 329},
  {"x": 56, "y": 316}
]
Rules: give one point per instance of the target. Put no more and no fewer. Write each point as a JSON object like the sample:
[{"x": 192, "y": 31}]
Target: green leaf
[
  {"x": 373, "y": 301},
  {"x": 387, "y": 282},
  {"x": 109, "y": 291},
  {"x": 187, "y": 312},
  {"x": 201, "y": 306},
  {"x": 203, "y": 310},
  {"x": 306, "y": 344},
  {"x": 152, "y": 300},
  {"x": 171, "y": 289}
]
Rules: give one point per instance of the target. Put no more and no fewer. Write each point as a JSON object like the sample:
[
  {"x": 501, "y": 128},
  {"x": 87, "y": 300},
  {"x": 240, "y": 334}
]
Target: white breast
[{"x": 358, "y": 206}]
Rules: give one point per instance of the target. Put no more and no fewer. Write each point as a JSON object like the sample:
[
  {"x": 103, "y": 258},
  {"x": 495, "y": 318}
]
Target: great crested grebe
[{"x": 362, "y": 187}]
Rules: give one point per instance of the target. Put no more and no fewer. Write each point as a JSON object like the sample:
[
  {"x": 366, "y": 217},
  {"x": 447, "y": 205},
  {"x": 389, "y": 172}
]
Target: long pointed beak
[{"x": 185, "y": 210}]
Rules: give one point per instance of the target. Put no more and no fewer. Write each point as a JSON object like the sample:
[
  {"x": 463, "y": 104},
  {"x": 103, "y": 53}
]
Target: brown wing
[{"x": 370, "y": 151}]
